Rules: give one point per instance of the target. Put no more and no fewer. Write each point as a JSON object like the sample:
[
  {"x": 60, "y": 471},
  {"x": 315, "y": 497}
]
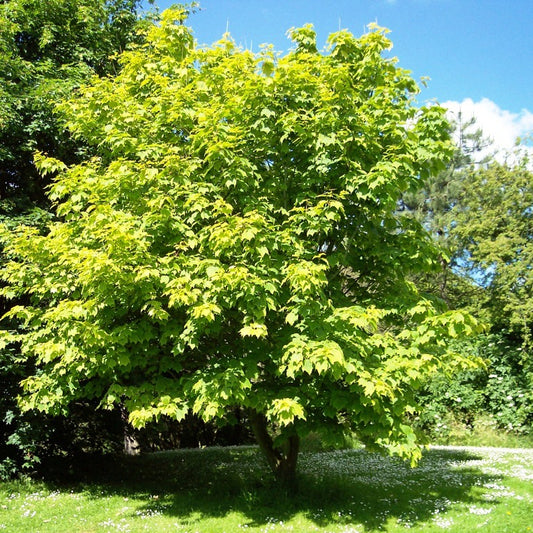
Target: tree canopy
[
  {"x": 491, "y": 225},
  {"x": 47, "y": 49},
  {"x": 235, "y": 243}
]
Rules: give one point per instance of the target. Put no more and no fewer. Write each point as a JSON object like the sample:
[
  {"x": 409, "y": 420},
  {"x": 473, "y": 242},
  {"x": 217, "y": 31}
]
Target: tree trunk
[
  {"x": 282, "y": 461},
  {"x": 131, "y": 444}
]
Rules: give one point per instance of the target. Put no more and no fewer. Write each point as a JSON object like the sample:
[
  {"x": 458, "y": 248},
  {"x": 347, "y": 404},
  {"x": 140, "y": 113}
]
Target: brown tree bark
[{"x": 282, "y": 461}]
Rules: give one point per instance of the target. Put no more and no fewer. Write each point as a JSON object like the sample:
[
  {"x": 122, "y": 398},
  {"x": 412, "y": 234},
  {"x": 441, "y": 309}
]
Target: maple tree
[{"x": 235, "y": 243}]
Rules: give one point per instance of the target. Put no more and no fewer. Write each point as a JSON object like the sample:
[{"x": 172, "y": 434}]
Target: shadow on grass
[{"x": 340, "y": 487}]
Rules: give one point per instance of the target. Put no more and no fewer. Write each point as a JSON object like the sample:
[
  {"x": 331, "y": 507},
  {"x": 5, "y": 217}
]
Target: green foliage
[
  {"x": 47, "y": 49},
  {"x": 34, "y": 440},
  {"x": 235, "y": 243},
  {"x": 432, "y": 204},
  {"x": 491, "y": 227},
  {"x": 492, "y": 224},
  {"x": 500, "y": 391},
  {"x": 481, "y": 212},
  {"x": 16, "y": 452}
]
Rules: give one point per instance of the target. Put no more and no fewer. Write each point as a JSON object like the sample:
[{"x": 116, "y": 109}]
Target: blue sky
[{"x": 478, "y": 53}]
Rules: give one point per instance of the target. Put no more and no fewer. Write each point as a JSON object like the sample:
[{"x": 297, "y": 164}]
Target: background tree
[
  {"x": 479, "y": 210},
  {"x": 431, "y": 203},
  {"x": 492, "y": 227},
  {"x": 235, "y": 244},
  {"x": 47, "y": 49},
  {"x": 431, "y": 206}
]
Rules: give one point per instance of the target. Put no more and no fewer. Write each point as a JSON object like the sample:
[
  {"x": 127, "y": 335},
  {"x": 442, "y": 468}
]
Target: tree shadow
[{"x": 335, "y": 488}]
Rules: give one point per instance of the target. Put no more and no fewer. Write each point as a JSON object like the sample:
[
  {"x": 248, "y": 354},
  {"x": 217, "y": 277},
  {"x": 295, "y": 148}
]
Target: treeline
[{"x": 479, "y": 212}]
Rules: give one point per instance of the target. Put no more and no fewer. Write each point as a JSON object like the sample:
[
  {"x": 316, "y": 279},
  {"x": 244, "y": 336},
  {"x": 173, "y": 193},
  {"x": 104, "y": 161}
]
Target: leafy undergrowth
[
  {"x": 482, "y": 431},
  {"x": 230, "y": 490}
]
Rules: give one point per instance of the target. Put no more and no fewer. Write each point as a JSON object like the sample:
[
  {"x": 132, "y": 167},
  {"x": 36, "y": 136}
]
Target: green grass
[{"x": 229, "y": 490}]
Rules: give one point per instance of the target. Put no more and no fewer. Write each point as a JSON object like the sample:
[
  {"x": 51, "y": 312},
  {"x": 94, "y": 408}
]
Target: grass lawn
[{"x": 230, "y": 490}]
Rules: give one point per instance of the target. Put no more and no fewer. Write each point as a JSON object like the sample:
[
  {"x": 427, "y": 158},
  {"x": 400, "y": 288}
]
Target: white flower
[
  {"x": 442, "y": 522},
  {"x": 479, "y": 510}
]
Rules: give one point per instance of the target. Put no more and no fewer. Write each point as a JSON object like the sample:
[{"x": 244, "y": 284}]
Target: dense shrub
[{"x": 499, "y": 392}]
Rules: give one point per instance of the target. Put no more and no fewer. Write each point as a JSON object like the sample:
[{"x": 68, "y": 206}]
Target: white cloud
[{"x": 498, "y": 125}]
